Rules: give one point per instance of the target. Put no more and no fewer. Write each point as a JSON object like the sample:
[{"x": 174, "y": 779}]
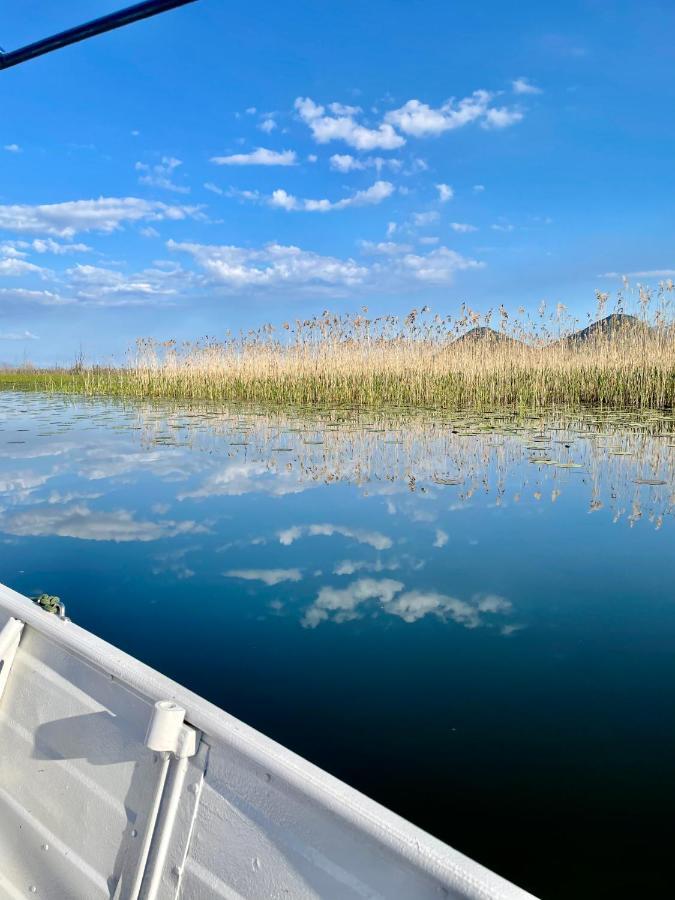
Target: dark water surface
[{"x": 471, "y": 619}]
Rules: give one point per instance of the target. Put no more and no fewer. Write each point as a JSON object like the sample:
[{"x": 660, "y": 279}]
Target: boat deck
[{"x": 116, "y": 782}]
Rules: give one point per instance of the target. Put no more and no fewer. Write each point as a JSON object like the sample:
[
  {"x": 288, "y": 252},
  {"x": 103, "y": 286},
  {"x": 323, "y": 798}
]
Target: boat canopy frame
[{"x": 89, "y": 29}]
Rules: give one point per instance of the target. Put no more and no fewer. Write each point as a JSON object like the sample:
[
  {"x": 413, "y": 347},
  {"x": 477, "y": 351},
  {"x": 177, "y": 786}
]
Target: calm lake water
[{"x": 471, "y": 619}]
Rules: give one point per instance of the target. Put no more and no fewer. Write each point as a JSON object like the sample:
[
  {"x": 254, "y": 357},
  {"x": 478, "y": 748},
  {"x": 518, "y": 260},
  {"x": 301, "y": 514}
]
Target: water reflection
[{"x": 501, "y": 584}]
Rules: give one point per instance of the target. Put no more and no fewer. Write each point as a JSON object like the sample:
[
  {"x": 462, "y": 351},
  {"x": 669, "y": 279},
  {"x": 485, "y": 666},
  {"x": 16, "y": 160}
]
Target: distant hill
[
  {"x": 610, "y": 327},
  {"x": 481, "y": 333}
]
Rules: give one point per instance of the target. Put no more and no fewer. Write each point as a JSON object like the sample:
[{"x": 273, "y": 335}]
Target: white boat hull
[{"x": 95, "y": 804}]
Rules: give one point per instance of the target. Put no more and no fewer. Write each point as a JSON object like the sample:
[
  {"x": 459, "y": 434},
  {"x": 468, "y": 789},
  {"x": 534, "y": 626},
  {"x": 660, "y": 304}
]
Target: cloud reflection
[
  {"x": 83, "y": 523},
  {"x": 390, "y": 597},
  {"x": 374, "y": 539}
]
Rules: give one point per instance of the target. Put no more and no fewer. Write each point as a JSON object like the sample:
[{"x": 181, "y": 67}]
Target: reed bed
[{"x": 422, "y": 360}]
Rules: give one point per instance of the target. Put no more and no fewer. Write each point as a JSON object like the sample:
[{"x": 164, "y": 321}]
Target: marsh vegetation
[{"x": 475, "y": 360}]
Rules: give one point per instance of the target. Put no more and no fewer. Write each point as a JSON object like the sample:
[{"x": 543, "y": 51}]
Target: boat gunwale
[{"x": 416, "y": 846}]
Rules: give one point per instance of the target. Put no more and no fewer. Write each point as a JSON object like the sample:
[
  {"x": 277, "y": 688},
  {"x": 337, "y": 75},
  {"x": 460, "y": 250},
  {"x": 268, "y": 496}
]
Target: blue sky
[{"x": 225, "y": 165}]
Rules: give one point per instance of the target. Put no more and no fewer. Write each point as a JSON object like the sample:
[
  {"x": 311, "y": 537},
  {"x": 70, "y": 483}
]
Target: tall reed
[{"x": 473, "y": 360}]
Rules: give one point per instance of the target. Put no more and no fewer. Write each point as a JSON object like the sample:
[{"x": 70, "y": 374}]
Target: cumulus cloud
[
  {"x": 422, "y": 219},
  {"x": 280, "y": 267},
  {"x": 345, "y": 162},
  {"x": 523, "y": 86},
  {"x": 462, "y": 227},
  {"x": 12, "y": 148},
  {"x": 441, "y": 538},
  {"x": 15, "y": 267},
  {"x": 437, "y": 266},
  {"x": 174, "y": 564},
  {"x": 421, "y": 120},
  {"x": 281, "y": 199},
  {"x": 102, "y": 286},
  {"x": 42, "y": 298},
  {"x": 47, "y": 245},
  {"x": 239, "y": 478},
  {"x": 374, "y": 539},
  {"x": 342, "y": 126},
  {"x": 269, "y": 577},
  {"x": 258, "y": 157},
  {"x": 345, "y": 604},
  {"x": 445, "y": 192},
  {"x": 385, "y": 248},
  {"x": 161, "y": 175},
  {"x": 105, "y": 215},
  {"x": 341, "y": 605},
  {"x": 267, "y": 125},
  {"x": 501, "y": 117},
  {"x": 81, "y": 522},
  {"x": 351, "y": 566},
  {"x": 274, "y": 265}
]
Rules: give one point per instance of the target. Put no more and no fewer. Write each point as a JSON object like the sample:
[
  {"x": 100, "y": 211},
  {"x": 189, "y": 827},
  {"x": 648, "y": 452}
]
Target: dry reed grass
[{"x": 420, "y": 360}]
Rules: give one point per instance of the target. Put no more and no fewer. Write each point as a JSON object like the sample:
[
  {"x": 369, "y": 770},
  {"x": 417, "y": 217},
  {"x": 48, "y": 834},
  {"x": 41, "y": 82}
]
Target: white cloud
[
  {"x": 269, "y": 577},
  {"x": 645, "y": 273},
  {"x": 174, "y": 563},
  {"x": 43, "y": 298},
  {"x": 445, "y": 192},
  {"x": 210, "y": 186},
  {"x": 259, "y": 157},
  {"x": 425, "y": 218},
  {"x": 462, "y": 227},
  {"x": 18, "y": 336},
  {"x": 106, "y": 287},
  {"x": 492, "y": 603},
  {"x": 438, "y": 266},
  {"x": 372, "y": 538},
  {"x": 281, "y": 199},
  {"x": 79, "y": 521},
  {"x": 385, "y": 248},
  {"x": 441, "y": 538},
  {"x": 344, "y": 162},
  {"x": 272, "y": 266},
  {"x": 504, "y": 227},
  {"x": 350, "y": 566},
  {"x": 341, "y": 605},
  {"x": 421, "y": 120},
  {"x": 107, "y": 214},
  {"x": 267, "y": 125},
  {"x": 48, "y": 245},
  {"x": 12, "y": 148},
  {"x": 14, "y": 268},
  {"x": 523, "y": 86},
  {"x": 478, "y": 188},
  {"x": 342, "y": 109},
  {"x": 501, "y": 117},
  {"x": 282, "y": 267},
  {"x": 20, "y": 249},
  {"x": 343, "y": 126},
  {"x": 345, "y": 604},
  {"x": 161, "y": 174},
  {"x": 391, "y": 228}
]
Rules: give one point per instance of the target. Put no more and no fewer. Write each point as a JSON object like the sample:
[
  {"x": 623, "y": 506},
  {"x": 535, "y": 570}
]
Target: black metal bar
[{"x": 89, "y": 29}]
